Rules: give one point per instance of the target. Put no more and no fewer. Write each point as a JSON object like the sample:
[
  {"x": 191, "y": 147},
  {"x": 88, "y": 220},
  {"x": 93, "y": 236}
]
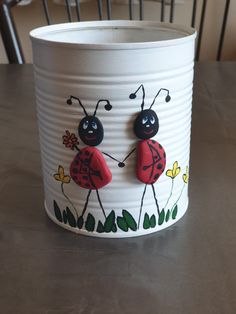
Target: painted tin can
[{"x": 114, "y": 105}]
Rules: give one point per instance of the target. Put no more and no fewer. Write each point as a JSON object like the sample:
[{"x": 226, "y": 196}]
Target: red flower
[{"x": 70, "y": 140}]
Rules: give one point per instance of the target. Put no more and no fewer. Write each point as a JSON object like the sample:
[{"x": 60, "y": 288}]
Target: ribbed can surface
[{"x": 127, "y": 69}]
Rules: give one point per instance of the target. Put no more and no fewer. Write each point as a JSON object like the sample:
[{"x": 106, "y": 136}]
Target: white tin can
[{"x": 114, "y": 105}]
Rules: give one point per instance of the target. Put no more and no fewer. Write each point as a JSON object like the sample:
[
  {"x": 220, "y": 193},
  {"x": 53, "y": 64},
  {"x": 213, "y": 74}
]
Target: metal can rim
[{"x": 38, "y": 35}]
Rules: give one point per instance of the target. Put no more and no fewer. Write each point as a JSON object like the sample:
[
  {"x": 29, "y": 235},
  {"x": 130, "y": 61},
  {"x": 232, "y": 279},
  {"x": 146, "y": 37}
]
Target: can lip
[{"x": 39, "y": 35}]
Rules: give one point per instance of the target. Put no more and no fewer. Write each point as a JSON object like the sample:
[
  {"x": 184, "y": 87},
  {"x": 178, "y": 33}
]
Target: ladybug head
[
  {"x": 91, "y": 131},
  {"x": 90, "y": 127},
  {"x": 146, "y": 124}
]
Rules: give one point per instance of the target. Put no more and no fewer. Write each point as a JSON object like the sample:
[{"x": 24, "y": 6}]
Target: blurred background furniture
[{"x": 209, "y": 17}]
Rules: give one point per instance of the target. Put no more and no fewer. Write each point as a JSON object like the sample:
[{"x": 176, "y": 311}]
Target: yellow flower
[
  {"x": 172, "y": 173},
  {"x": 60, "y": 176},
  {"x": 186, "y": 176}
]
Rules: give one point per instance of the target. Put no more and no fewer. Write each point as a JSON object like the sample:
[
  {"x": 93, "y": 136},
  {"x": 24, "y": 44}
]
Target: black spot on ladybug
[
  {"x": 156, "y": 176},
  {"x": 85, "y": 177},
  {"x": 153, "y": 142},
  {"x": 145, "y": 168},
  {"x": 164, "y": 155},
  {"x": 160, "y": 146},
  {"x": 75, "y": 170},
  {"x": 87, "y": 153},
  {"x": 159, "y": 166},
  {"x": 86, "y": 161}
]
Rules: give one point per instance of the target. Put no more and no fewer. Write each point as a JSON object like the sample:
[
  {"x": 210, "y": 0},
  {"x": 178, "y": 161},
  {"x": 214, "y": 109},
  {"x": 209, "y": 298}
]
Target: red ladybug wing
[
  {"x": 89, "y": 169},
  {"x": 151, "y": 161}
]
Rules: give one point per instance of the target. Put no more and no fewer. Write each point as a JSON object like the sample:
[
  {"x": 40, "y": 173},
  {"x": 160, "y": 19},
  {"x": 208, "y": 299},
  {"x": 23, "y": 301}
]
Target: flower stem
[
  {"x": 76, "y": 147},
  {"x": 63, "y": 192},
  {"x": 171, "y": 191},
  {"x": 178, "y": 197}
]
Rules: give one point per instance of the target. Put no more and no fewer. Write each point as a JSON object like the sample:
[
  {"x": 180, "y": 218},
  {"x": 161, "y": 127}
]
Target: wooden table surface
[{"x": 188, "y": 268}]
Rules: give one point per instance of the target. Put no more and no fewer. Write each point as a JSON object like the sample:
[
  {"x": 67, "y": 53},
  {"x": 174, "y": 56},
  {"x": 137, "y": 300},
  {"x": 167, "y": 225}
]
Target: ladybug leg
[
  {"x": 154, "y": 194},
  {"x": 80, "y": 221},
  {"x": 100, "y": 203},
  {"x": 86, "y": 203},
  {"x": 141, "y": 206}
]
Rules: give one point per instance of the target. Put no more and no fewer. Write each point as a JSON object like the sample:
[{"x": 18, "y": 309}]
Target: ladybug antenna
[
  {"x": 167, "y": 99},
  {"x": 107, "y": 106},
  {"x": 69, "y": 102},
  {"x": 133, "y": 95}
]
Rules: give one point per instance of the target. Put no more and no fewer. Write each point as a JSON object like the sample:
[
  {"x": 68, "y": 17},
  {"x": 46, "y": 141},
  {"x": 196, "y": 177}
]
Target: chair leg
[
  {"x": 9, "y": 35},
  {"x": 222, "y": 34},
  {"x": 202, "y": 20}
]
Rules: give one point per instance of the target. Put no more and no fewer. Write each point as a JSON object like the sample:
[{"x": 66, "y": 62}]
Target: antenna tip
[
  {"x": 108, "y": 107},
  {"x": 132, "y": 96},
  {"x": 69, "y": 101},
  {"x": 168, "y": 98}
]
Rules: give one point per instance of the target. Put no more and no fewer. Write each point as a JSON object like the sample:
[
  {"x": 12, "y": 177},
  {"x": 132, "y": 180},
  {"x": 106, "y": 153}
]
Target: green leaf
[
  {"x": 122, "y": 224},
  {"x": 90, "y": 223},
  {"x": 161, "y": 217},
  {"x": 175, "y": 211},
  {"x": 114, "y": 228},
  {"x": 131, "y": 223},
  {"x": 110, "y": 220},
  {"x": 153, "y": 221},
  {"x": 57, "y": 211},
  {"x": 80, "y": 222},
  {"x": 146, "y": 222},
  {"x": 64, "y": 217},
  {"x": 167, "y": 215},
  {"x": 100, "y": 227},
  {"x": 70, "y": 218}
]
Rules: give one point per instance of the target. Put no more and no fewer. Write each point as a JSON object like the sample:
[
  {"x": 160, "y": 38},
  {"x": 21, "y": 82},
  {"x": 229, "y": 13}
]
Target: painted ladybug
[
  {"x": 89, "y": 169},
  {"x": 151, "y": 156},
  {"x": 151, "y": 161}
]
